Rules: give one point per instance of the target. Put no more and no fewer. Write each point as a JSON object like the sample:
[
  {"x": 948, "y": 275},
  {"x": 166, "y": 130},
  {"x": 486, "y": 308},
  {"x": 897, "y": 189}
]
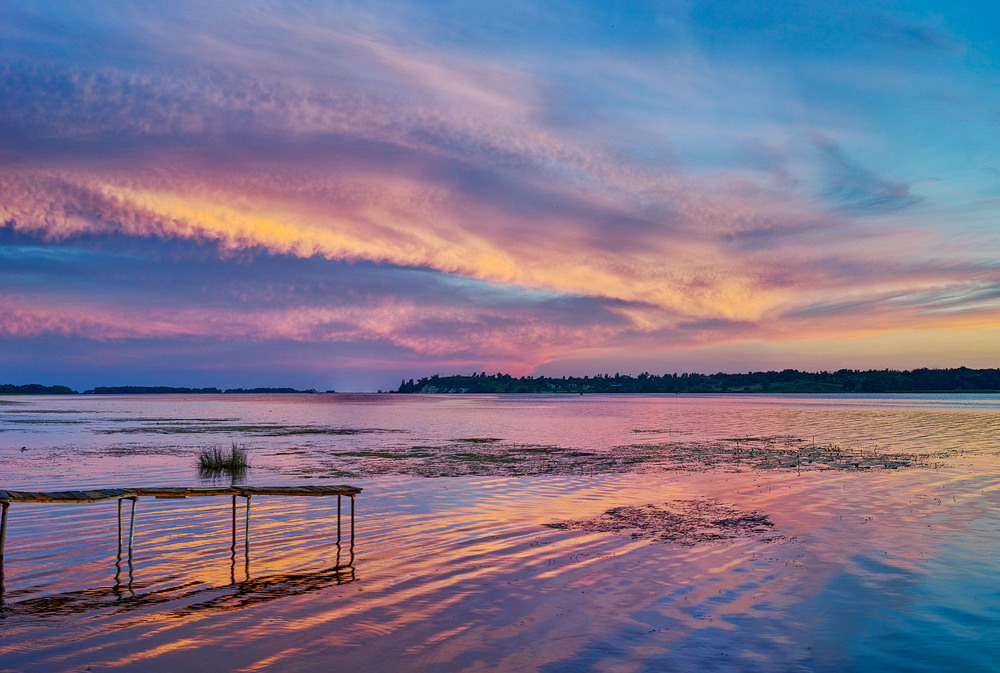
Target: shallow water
[{"x": 866, "y": 569}]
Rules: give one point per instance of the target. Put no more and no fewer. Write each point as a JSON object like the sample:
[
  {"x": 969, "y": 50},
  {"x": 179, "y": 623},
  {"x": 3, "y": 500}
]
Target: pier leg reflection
[
  {"x": 232, "y": 548},
  {"x": 340, "y": 535}
]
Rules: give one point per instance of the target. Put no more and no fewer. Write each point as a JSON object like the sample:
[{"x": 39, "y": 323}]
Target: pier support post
[
  {"x": 131, "y": 527},
  {"x": 3, "y": 525},
  {"x": 3, "y": 541},
  {"x": 246, "y": 532},
  {"x": 234, "y": 524},
  {"x": 337, "y": 562}
]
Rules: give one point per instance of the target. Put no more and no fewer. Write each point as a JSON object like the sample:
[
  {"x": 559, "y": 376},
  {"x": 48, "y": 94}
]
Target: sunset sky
[{"x": 340, "y": 195}]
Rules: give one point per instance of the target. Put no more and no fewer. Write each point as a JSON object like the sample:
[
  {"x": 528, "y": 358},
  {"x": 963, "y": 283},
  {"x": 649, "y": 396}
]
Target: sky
[{"x": 340, "y": 195}]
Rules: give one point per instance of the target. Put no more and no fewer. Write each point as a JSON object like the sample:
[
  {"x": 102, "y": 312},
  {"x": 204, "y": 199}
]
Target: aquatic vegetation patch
[
  {"x": 41, "y": 411},
  {"x": 684, "y": 522},
  {"x": 777, "y": 452},
  {"x": 493, "y": 458},
  {"x": 166, "y": 419},
  {"x": 124, "y": 450},
  {"x": 216, "y": 461},
  {"x": 306, "y": 430},
  {"x": 291, "y": 452},
  {"x": 252, "y": 429},
  {"x": 497, "y": 458},
  {"x": 415, "y": 452},
  {"x": 46, "y": 421},
  {"x": 658, "y": 431}
]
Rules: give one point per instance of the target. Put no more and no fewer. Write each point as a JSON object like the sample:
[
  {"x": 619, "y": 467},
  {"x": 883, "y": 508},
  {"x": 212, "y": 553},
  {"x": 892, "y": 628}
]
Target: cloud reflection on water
[{"x": 460, "y": 573}]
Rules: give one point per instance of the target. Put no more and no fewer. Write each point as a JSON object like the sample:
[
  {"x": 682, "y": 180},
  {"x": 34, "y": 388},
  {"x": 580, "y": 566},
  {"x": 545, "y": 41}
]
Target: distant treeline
[
  {"x": 961, "y": 379},
  {"x": 169, "y": 390},
  {"x": 36, "y": 389}
]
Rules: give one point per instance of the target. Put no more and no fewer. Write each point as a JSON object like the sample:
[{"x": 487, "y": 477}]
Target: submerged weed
[
  {"x": 255, "y": 429},
  {"x": 684, "y": 522}
]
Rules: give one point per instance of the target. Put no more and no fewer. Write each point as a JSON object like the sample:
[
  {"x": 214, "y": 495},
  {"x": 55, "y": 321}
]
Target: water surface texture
[{"x": 483, "y": 540}]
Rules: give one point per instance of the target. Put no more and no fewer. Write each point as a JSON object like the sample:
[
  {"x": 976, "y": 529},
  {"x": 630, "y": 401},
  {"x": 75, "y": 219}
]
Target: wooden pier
[{"x": 174, "y": 492}]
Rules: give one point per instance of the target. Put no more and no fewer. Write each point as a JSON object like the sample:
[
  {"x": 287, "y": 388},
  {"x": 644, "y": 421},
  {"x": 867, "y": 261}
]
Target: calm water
[{"x": 871, "y": 570}]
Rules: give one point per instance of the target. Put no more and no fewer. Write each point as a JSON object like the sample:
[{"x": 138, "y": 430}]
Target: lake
[{"x": 515, "y": 533}]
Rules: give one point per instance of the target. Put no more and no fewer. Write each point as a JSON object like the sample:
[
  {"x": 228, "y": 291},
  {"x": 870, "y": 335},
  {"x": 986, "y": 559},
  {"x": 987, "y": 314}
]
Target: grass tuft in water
[{"x": 215, "y": 461}]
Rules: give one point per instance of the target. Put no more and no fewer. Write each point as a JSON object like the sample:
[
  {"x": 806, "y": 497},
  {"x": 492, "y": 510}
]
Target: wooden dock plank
[
  {"x": 316, "y": 491},
  {"x": 183, "y": 492},
  {"x": 97, "y": 495},
  {"x": 65, "y": 496}
]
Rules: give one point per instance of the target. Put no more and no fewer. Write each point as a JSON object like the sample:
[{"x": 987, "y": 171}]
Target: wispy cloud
[{"x": 853, "y": 189}]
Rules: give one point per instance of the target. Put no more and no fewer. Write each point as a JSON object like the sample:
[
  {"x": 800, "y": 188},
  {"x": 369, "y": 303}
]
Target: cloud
[
  {"x": 852, "y": 189},
  {"x": 883, "y": 28},
  {"x": 124, "y": 289}
]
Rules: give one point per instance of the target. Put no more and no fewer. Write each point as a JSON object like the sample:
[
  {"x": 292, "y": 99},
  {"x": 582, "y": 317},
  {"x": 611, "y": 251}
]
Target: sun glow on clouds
[
  {"x": 412, "y": 224},
  {"x": 600, "y": 194}
]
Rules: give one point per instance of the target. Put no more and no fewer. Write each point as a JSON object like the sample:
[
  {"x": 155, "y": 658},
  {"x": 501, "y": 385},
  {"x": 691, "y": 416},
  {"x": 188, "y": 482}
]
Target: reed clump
[{"x": 217, "y": 460}]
